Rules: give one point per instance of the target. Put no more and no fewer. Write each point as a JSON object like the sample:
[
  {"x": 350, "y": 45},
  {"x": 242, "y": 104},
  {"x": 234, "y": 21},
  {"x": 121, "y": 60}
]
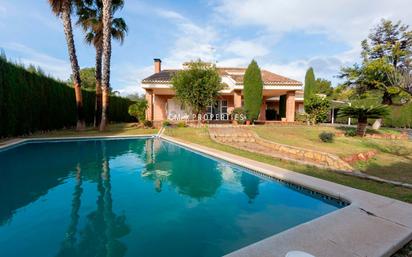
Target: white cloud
[
  {"x": 129, "y": 78},
  {"x": 189, "y": 41},
  {"x": 246, "y": 49},
  {"x": 51, "y": 65},
  {"x": 169, "y": 14},
  {"x": 341, "y": 21},
  {"x": 347, "y": 20},
  {"x": 327, "y": 67},
  {"x": 192, "y": 41}
]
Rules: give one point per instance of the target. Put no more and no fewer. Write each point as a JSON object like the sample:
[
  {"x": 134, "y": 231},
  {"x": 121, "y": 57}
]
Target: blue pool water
[{"x": 138, "y": 197}]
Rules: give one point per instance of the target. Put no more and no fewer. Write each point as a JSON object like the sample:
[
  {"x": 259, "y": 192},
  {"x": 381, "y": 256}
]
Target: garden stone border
[{"x": 232, "y": 136}]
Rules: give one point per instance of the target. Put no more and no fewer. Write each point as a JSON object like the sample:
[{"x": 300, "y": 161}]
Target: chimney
[{"x": 157, "y": 65}]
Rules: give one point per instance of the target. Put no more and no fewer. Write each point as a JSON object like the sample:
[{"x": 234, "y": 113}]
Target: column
[
  {"x": 237, "y": 98},
  {"x": 290, "y": 106},
  {"x": 149, "y": 99}
]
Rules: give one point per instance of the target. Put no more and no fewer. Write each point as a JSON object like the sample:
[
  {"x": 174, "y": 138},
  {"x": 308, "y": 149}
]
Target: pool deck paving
[{"x": 371, "y": 225}]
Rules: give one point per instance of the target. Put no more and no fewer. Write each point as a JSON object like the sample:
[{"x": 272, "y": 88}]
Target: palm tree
[
  {"x": 91, "y": 19},
  {"x": 63, "y": 9},
  {"x": 107, "y": 51},
  {"x": 363, "y": 113}
]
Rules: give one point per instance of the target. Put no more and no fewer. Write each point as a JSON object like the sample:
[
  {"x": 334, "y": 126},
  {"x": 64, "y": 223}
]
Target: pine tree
[{"x": 253, "y": 87}]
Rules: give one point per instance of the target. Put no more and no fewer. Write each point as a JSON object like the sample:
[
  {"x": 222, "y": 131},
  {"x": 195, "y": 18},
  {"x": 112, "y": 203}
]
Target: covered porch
[{"x": 280, "y": 105}]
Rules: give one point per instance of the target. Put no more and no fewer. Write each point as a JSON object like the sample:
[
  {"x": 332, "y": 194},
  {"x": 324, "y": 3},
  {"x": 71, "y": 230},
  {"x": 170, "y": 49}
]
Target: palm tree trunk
[
  {"x": 361, "y": 128},
  {"x": 387, "y": 98},
  {"x": 107, "y": 50},
  {"x": 68, "y": 31},
  {"x": 98, "y": 102}
]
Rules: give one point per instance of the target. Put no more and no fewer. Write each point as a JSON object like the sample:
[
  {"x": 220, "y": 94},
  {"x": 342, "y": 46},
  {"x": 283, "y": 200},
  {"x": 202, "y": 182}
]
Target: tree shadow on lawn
[
  {"x": 398, "y": 171},
  {"x": 391, "y": 147},
  {"x": 369, "y": 131}
]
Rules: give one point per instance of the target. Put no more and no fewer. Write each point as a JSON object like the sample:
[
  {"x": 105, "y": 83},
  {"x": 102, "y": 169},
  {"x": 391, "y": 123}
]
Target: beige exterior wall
[
  {"x": 149, "y": 99},
  {"x": 159, "y": 107},
  {"x": 157, "y": 104},
  {"x": 290, "y": 106}
]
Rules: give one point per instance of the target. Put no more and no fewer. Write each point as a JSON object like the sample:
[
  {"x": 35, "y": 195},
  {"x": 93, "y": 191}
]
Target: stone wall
[{"x": 248, "y": 140}]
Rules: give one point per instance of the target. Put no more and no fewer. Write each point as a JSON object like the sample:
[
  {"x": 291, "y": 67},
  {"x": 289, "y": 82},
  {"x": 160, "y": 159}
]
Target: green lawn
[
  {"x": 118, "y": 129},
  {"x": 201, "y": 136},
  {"x": 393, "y": 161}
]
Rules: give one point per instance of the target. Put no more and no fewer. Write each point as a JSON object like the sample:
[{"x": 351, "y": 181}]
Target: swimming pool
[{"x": 139, "y": 197}]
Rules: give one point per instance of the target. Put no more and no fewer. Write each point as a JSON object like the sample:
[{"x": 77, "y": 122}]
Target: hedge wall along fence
[{"x": 31, "y": 102}]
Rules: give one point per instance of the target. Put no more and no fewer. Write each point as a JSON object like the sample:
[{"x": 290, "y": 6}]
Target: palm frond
[{"x": 362, "y": 111}]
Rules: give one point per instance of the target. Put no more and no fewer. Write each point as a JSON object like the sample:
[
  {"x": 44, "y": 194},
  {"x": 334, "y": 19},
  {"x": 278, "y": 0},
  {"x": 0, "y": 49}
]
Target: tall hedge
[
  {"x": 310, "y": 85},
  {"x": 32, "y": 102},
  {"x": 253, "y": 87}
]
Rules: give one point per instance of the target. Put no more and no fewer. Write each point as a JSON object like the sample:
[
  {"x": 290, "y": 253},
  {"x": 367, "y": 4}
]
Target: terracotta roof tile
[{"x": 269, "y": 78}]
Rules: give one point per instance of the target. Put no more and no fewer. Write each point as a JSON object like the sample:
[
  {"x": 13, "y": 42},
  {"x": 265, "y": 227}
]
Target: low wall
[{"x": 241, "y": 137}]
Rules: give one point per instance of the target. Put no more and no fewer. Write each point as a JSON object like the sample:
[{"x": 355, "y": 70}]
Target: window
[
  {"x": 223, "y": 106},
  {"x": 223, "y": 109}
]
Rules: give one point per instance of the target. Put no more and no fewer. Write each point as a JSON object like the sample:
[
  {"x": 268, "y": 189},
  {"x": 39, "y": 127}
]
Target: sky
[{"x": 285, "y": 37}]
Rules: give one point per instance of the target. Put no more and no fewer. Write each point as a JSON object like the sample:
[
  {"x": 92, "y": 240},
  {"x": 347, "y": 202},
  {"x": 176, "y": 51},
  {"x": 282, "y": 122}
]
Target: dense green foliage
[
  {"x": 31, "y": 102},
  {"x": 326, "y": 137},
  {"x": 310, "y": 85},
  {"x": 253, "y": 87},
  {"x": 362, "y": 113},
  {"x": 148, "y": 124},
  {"x": 238, "y": 114},
  {"x": 87, "y": 76},
  {"x": 166, "y": 123},
  {"x": 399, "y": 117},
  {"x": 386, "y": 62},
  {"x": 323, "y": 86},
  {"x": 198, "y": 86},
  {"x": 138, "y": 110},
  {"x": 317, "y": 109}
]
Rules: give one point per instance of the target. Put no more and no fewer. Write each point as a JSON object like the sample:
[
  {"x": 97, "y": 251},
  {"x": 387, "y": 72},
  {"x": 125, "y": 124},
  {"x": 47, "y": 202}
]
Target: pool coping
[
  {"x": 372, "y": 225},
  {"x": 20, "y": 141}
]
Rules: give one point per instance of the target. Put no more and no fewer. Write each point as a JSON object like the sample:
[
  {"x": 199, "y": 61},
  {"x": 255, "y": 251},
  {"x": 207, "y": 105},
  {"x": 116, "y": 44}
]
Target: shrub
[
  {"x": 350, "y": 132},
  {"x": 239, "y": 115},
  {"x": 166, "y": 123},
  {"x": 326, "y": 137},
  {"x": 148, "y": 124},
  {"x": 253, "y": 87},
  {"x": 181, "y": 124},
  {"x": 301, "y": 117},
  {"x": 317, "y": 109},
  {"x": 138, "y": 110}
]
